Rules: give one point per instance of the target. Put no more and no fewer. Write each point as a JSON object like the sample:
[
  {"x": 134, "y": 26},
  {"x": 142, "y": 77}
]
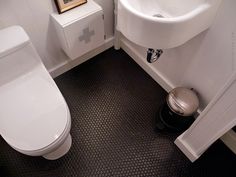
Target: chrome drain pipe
[{"x": 153, "y": 55}]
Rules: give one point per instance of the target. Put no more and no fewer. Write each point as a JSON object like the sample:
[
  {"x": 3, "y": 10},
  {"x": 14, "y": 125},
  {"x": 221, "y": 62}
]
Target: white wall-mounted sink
[{"x": 164, "y": 23}]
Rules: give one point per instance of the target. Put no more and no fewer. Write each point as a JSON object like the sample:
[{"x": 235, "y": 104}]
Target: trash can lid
[{"x": 183, "y": 101}]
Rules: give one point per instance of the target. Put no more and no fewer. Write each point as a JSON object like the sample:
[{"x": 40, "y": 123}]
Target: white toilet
[{"x": 34, "y": 117}]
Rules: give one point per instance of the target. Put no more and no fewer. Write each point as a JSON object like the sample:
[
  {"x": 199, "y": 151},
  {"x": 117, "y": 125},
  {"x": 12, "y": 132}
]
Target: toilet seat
[{"x": 39, "y": 116}]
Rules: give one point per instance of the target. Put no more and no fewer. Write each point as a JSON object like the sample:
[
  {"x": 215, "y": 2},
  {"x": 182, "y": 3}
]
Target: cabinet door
[{"x": 85, "y": 34}]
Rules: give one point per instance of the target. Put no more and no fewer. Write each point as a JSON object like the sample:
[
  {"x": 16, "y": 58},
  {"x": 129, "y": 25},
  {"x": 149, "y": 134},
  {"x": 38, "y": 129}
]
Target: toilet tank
[{"x": 17, "y": 54}]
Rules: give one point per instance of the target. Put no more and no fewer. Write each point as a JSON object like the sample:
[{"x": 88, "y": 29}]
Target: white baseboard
[
  {"x": 229, "y": 139},
  {"x": 157, "y": 76},
  {"x": 67, "y": 65}
]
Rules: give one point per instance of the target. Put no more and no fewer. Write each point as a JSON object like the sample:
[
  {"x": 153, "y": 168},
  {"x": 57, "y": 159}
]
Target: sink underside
[{"x": 164, "y": 23}]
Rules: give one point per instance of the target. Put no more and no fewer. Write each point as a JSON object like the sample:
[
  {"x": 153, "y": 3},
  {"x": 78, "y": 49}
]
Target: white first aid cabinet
[{"x": 80, "y": 30}]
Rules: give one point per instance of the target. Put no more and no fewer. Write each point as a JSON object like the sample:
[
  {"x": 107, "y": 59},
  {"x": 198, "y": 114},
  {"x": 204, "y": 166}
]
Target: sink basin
[{"x": 164, "y": 24}]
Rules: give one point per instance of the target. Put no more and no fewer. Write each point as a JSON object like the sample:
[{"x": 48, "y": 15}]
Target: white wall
[
  {"x": 213, "y": 54},
  {"x": 34, "y": 17},
  {"x": 206, "y": 61}
]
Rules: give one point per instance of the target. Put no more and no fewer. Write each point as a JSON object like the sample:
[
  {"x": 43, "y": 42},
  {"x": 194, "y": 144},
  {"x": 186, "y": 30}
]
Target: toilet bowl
[{"x": 34, "y": 117}]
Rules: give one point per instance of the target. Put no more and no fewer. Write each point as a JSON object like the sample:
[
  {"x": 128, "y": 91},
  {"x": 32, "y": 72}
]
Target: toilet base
[{"x": 60, "y": 151}]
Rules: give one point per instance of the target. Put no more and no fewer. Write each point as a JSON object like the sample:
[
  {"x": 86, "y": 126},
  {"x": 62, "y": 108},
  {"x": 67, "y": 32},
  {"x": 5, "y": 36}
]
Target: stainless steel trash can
[{"x": 177, "y": 112}]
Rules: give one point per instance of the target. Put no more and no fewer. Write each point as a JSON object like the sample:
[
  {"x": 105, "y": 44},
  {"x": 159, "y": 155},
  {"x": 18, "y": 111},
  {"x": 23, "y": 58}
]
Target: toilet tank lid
[{"x": 12, "y": 39}]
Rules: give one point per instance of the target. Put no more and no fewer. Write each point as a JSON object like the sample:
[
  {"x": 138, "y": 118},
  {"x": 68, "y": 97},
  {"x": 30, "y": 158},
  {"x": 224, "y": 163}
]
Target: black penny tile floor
[{"x": 113, "y": 104}]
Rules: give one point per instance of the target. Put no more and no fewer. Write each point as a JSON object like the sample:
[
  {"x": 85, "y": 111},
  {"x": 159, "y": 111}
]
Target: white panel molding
[{"x": 69, "y": 64}]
